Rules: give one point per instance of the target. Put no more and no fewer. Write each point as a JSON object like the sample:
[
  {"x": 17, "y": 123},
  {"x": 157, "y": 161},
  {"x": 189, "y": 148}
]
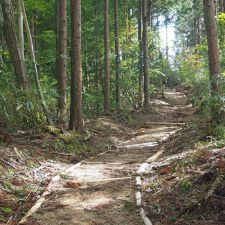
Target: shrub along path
[{"x": 101, "y": 189}]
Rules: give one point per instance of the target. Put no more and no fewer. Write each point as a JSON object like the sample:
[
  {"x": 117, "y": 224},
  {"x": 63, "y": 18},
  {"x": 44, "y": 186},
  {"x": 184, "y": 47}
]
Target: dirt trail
[{"x": 101, "y": 190}]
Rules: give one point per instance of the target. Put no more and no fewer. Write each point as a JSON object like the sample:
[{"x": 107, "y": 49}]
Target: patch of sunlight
[
  {"x": 89, "y": 203},
  {"x": 161, "y": 102},
  {"x": 88, "y": 172},
  {"x": 140, "y": 145}
]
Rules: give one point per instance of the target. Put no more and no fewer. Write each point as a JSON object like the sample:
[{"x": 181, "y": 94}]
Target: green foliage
[
  {"x": 185, "y": 186},
  {"x": 6, "y": 210},
  {"x": 219, "y": 132}
]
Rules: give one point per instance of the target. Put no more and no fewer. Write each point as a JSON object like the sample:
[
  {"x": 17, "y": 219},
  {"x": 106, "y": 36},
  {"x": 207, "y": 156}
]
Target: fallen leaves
[{"x": 72, "y": 184}]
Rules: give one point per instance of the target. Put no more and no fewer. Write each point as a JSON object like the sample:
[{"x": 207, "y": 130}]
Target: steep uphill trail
[{"x": 101, "y": 190}]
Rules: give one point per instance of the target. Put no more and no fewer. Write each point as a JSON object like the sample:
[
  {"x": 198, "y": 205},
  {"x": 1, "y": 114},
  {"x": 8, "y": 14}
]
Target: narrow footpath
[{"x": 102, "y": 190}]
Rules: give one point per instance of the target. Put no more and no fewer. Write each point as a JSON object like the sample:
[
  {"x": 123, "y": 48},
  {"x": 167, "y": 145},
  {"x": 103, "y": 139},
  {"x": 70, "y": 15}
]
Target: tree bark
[
  {"x": 106, "y": 46},
  {"x": 62, "y": 60},
  {"x": 76, "y": 114},
  {"x": 57, "y": 36},
  {"x": 149, "y": 13},
  {"x": 213, "y": 52},
  {"x": 221, "y": 6},
  {"x": 97, "y": 53},
  {"x": 33, "y": 30},
  {"x": 1, "y": 36},
  {"x": 33, "y": 58},
  {"x": 12, "y": 44},
  {"x": 20, "y": 30},
  {"x": 140, "y": 80},
  {"x": 145, "y": 54},
  {"x": 117, "y": 53}
]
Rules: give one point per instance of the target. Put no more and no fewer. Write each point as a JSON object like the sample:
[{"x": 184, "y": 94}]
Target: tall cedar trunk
[
  {"x": 12, "y": 44},
  {"x": 76, "y": 114},
  {"x": 213, "y": 52},
  {"x": 20, "y": 30},
  {"x": 140, "y": 80},
  {"x": 117, "y": 53},
  {"x": 197, "y": 33},
  {"x": 57, "y": 35},
  {"x": 149, "y": 12},
  {"x": 221, "y": 6},
  {"x": 33, "y": 30},
  {"x": 1, "y": 47},
  {"x": 97, "y": 53},
  {"x": 145, "y": 54},
  {"x": 62, "y": 60},
  {"x": 167, "y": 40},
  {"x": 33, "y": 58},
  {"x": 1, "y": 36},
  {"x": 106, "y": 45}
]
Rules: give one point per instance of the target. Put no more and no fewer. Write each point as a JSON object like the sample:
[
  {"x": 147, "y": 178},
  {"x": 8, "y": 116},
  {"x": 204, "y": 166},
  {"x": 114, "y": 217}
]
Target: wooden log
[
  {"x": 165, "y": 123},
  {"x": 138, "y": 198},
  {"x": 138, "y": 182},
  {"x": 154, "y": 157},
  {"x": 144, "y": 217}
]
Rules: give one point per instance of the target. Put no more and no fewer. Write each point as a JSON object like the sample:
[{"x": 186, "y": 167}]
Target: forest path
[{"x": 101, "y": 190}]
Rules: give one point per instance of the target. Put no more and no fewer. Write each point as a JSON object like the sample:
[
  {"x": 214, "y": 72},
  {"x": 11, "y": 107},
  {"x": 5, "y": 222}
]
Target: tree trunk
[
  {"x": 1, "y": 36},
  {"x": 32, "y": 54},
  {"x": 117, "y": 52},
  {"x": 167, "y": 40},
  {"x": 140, "y": 80},
  {"x": 149, "y": 12},
  {"x": 20, "y": 30},
  {"x": 221, "y": 6},
  {"x": 106, "y": 45},
  {"x": 62, "y": 60},
  {"x": 145, "y": 54},
  {"x": 12, "y": 44},
  {"x": 57, "y": 36},
  {"x": 97, "y": 53},
  {"x": 76, "y": 114},
  {"x": 33, "y": 30},
  {"x": 213, "y": 52}
]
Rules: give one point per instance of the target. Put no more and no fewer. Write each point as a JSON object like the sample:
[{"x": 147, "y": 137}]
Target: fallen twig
[{"x": 8, "y": 163}]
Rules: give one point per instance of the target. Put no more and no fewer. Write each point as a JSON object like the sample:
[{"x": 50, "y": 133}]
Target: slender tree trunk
[
  {"x": 20, "y": 30},
  {"x": 12, "y": 44},
  {"x": 106, "y": 45},
  {"x": 213, "y": 52},
  {"x": 76, "y": 114},
  {"x": 149, "y": 12},
  {"x": 32, "y": 54},
  {"x": 167, "y": 41},
  {"x": 62, "y": 60},
  {"x": 1, "y": 36},
  {"x": 221, "y": 6},
  {"x": 145, "y": 55},
  {"x": 97, "y": 53},
  {"x": 57, "y": 36},
  {"x": 140, "y": 80},
  {"x": 86, "y": 66},
  {"x": 117, "y": 52},
  {"x": 33, "y": 30}
]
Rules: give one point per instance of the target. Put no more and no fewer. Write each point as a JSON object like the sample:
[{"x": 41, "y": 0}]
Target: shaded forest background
[{"x": 123, "y": 61}]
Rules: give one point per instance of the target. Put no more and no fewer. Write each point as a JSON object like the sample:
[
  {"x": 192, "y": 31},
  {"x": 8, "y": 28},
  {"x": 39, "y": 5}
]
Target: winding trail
[{"x": 101, "y": 190}]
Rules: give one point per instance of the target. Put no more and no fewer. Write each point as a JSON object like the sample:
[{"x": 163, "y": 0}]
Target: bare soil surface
[{"x": 101, "y": 189}]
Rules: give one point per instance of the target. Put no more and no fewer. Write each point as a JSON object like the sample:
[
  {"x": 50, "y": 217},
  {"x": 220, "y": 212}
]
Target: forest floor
[{"x": 181, "y": 171}]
